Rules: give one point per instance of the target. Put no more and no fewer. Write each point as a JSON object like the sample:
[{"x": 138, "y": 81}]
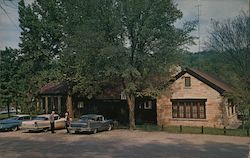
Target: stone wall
[{"x": 216, "y": 112}]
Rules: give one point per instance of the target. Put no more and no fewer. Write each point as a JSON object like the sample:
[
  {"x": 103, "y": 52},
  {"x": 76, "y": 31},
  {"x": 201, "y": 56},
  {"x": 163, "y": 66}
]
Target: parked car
[
  {"x": 14, "y": 122},
  {"x": 12, "y": 110},
  {"x": 42, "y": 123},
  {"x": 91, "y": 123}
]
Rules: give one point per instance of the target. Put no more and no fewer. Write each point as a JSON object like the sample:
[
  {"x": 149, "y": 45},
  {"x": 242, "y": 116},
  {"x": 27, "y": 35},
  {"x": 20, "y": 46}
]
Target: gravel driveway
[{"x": 121, "y": 144}]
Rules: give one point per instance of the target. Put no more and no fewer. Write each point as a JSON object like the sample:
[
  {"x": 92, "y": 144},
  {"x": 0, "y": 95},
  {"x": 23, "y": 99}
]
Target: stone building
[{"x": 196, "y": 98}]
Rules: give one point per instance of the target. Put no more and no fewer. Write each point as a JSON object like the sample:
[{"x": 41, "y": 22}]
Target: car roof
[
  {"x": 46, "y": 115},
  {"x": 20, "y": 115},
  {"x": 91, "y": 115}
]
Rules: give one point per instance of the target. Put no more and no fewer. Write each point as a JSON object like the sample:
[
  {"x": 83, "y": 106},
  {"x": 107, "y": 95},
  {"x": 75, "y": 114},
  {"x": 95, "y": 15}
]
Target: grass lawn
[
  {"x": 3, "y": 116},
  {"x": 194, "y": 130}
]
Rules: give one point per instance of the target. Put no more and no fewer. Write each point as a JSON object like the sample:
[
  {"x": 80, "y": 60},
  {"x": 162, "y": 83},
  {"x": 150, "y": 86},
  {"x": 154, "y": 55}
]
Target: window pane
[
  {"x": 194, "y": 110},
  {"x": 181, "y": 110},
  {"x": 174, "y": 111},
  {"x": 187, "y": 82},
  {"x": 202, "y": 111},
  {"x": 187, "y": 110}
]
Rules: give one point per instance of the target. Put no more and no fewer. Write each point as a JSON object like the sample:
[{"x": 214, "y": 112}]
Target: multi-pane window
[
  {"x": 195, "y": 109},
  {"x": 187, "y": 82},
  {"x": 231, "y": 107}
]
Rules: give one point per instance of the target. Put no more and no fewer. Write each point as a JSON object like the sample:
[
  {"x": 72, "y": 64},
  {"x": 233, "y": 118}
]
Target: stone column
[
  {"x": 46, "y": 105},
  {"x": 41, "y": 104},
  {"x": 59, "y": 106},
  {"x": 38, "y": 104}
]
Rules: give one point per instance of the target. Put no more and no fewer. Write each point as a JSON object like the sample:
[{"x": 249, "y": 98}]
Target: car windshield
[
  {"x": 40, "y": 118},
  {"x": 87, "y": 118}
]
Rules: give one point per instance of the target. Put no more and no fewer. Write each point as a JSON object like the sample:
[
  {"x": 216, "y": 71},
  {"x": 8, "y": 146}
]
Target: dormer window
[{"x": 187, "y": 82}]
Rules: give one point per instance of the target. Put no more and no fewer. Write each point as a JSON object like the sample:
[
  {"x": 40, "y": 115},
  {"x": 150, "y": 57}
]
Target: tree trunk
[
  {"x": 70, "y": 106},
  {"x": 249, "y": 113},
  {"x": 131, "y": 107},
  {"x": 8, "y": 108},
  {"x": 16, "y": 107}
]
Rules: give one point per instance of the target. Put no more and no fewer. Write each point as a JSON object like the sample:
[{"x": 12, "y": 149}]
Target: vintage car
[
  {"x": 91, "y": 123},
  {"x": 42, "y": 123},
  {"x": 13, "y": 123}
]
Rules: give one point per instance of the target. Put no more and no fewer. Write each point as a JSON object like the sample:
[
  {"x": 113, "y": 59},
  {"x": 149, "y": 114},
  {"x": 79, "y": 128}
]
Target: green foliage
[
  {"x": 93, "y": 43},
  {"x": 231, "y": 38},
  {"x": 9, "y": 78},
  {"x": 41, "y": 43}
]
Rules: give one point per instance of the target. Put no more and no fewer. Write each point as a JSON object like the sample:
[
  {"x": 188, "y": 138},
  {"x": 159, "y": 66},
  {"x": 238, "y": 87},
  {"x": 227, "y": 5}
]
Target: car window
[
  {"x": 99, "y": 118},
  {"x": 26, "y": 118},
  {"x": 20, "y": 118},
  {"x": 87, "y": 118},
  {"x": 56, "y": 117},
  {"x": 40, "y": 118},
  {"x": 12, "y": 118}
]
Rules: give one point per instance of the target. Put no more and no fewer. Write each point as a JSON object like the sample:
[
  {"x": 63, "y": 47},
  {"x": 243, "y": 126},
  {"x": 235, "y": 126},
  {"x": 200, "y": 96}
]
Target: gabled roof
[
  {"x": 108, "y": 91},
  {"x": 54, "y": 89},
  {"x": 208, "y": 79}
]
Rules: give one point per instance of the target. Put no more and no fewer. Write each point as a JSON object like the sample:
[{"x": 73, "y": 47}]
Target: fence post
[
  {"x": 181, "y": 128},
  {"x": 247, "y": 131},
  {"x": 202, "y": 130},
  {"x": 224, "y": 131}
]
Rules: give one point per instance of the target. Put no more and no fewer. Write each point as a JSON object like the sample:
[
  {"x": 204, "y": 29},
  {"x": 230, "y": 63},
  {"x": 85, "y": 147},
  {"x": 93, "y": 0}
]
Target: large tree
[
  {"x": 131, "y": 42},
  {"x": 153, "y": 44},
  {"x": 40, "y": 43},
  {"x": 9, "y": 77},
  {"x": 231, "y": 38}
]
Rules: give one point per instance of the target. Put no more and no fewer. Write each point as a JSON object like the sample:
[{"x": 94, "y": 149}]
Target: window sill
[{"x": 187, "y": 119}]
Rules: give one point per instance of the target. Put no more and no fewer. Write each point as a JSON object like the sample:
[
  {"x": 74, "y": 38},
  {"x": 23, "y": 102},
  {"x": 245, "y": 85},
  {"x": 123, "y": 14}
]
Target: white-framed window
[
  {"x": 80, "y": 105},
  {"x": 148, "y": 104}
]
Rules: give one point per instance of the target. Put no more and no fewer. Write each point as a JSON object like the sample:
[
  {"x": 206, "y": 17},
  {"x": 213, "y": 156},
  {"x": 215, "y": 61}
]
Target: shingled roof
[
  {"x": 211, "y": 80},
  {"x": 54, "y": 89},
  {"x": 109, "y": 91}
]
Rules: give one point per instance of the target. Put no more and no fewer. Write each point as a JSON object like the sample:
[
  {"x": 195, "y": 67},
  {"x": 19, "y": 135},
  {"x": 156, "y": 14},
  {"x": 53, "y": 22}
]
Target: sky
[{"x": 209, "y": 9}]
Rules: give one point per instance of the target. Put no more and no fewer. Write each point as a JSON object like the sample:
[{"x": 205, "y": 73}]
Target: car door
[
  {"x": 101, "y": 123},
  {"x": 24, "y": 118},
  {"x": 59, "y": 122}
]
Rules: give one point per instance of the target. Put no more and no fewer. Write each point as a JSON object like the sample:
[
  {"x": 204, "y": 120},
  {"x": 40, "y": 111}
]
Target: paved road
[{"x": 121, "y": 144}]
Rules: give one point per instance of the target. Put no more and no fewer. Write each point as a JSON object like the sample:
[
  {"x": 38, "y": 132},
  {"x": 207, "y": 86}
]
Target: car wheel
[
  {"x": 15, "y": 128},
  {"x": 110, "y": 127},
  {"x": 94, "y": 131}
]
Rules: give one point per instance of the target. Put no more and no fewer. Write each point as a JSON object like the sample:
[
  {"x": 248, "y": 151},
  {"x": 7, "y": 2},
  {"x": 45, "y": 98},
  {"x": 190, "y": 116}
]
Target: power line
[
  {"x": 6, "y": 13},
  {"x": 11, "y": 1}
]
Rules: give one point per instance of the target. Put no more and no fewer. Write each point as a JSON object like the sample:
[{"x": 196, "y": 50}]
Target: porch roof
[{"x": 54, "y": 89}]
